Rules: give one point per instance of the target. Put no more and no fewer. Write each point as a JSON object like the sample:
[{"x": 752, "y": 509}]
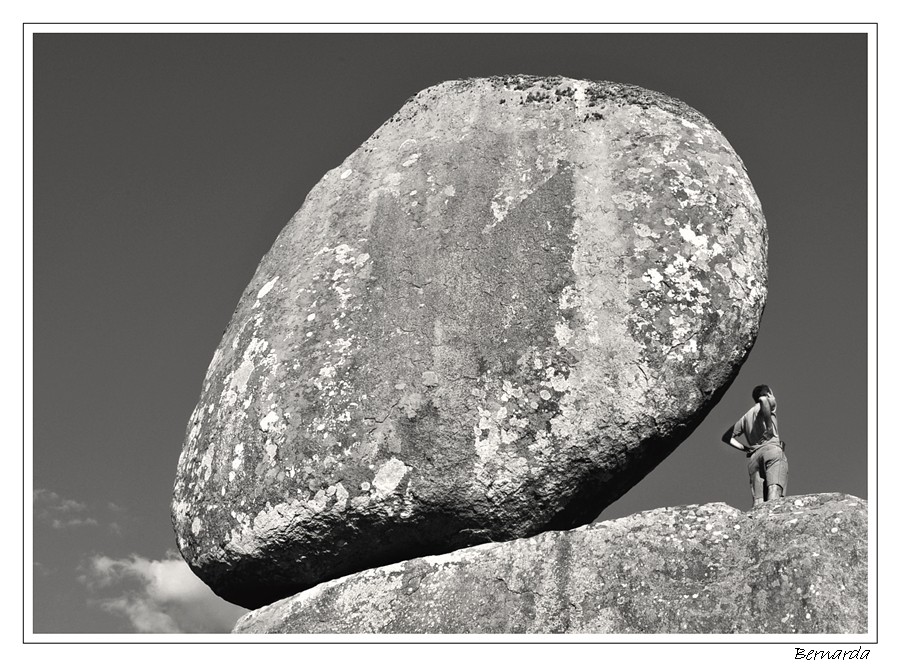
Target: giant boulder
[
  {"x": 494, "y": 318},
  {"x": 797, "y": 565}
]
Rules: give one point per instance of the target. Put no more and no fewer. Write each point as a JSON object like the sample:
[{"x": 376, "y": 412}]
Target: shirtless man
[{"x": 768, "y": 465}]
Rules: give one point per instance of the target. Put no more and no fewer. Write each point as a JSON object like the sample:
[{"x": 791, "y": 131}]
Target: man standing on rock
[{"x": 768, "y": 465}]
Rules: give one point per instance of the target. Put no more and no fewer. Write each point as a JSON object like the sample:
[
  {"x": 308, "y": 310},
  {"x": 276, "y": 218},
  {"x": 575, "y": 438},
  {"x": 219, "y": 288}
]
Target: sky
[{"x": 165, "y": 166}]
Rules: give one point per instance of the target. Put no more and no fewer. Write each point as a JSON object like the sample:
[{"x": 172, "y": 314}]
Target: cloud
[
  {"x": 41, "y": 569},
  {"x": 59, "y": 524},
  {"x": 60, "y": 513},
  {"x": 50, "y": 500},
  {"x": 157, "y": 596}
]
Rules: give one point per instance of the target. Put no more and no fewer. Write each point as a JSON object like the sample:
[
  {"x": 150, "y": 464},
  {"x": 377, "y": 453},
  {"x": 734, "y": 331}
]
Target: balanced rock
[
  {"x": 797, "y": 565},
  {"x": 496, "y": 316}
]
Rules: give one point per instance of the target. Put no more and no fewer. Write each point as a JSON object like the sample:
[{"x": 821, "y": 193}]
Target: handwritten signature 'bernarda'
[{"x": 858, "y": 653}]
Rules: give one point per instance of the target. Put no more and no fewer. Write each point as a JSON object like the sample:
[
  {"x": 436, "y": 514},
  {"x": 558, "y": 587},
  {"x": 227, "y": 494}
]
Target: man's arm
[
  {"x": 765, "y": 409},
  {"x": 728, "y": 438}
]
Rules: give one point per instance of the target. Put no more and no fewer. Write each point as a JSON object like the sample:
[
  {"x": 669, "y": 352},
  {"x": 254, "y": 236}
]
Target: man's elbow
[{"x": 728, "y": 435}]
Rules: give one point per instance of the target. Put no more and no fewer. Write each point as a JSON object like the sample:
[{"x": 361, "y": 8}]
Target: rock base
[{"x": 797, "y": 565}]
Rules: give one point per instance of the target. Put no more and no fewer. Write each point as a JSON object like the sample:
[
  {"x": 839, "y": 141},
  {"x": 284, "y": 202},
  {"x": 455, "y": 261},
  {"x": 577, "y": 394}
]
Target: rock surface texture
[
  {"x": 496, "y": 316},
  {"x": 796, "y": 565}
]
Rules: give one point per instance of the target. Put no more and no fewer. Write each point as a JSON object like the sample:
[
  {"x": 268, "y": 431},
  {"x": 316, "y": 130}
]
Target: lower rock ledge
[{"x": 796, "y": 565}]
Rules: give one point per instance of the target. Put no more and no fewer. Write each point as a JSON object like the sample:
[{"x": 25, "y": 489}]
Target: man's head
[{"x": 761, "y": 390}]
